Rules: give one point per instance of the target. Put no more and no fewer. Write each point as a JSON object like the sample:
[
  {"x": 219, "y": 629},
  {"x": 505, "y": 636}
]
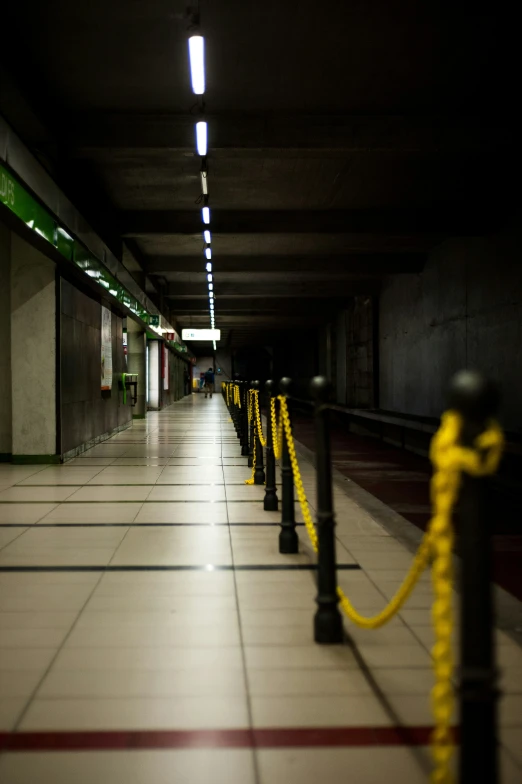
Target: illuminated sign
[{"x": 201, "y": 334}]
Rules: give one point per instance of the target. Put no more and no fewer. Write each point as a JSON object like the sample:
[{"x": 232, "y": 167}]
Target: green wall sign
[{"x": 20, "y": 202}]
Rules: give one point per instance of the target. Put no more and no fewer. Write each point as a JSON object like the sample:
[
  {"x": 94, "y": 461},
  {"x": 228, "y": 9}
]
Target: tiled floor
[{"x": 144, "y": 636}]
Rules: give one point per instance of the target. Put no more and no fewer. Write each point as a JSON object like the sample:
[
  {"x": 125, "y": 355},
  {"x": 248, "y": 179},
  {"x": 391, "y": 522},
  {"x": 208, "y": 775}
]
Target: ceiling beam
[
  {"x": 250, "y": 305},
  {"x": 373, "y": 263},
  {"x": 291, "y": 287},
  {"x": 438, "y": 221},
  {"x": 348, "y": 133}
]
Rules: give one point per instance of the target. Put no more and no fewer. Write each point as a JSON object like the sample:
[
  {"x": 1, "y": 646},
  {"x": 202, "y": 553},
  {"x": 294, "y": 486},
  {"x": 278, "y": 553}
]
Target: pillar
[
  {"x": 5, "y": 344},
  {"x": 136, "y": 357},
  {"x": 33, "y": 355}
]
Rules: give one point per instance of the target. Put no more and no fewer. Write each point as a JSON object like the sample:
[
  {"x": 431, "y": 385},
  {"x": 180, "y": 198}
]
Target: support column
[
  {"x": 136, "y": 357},
  {"x": 33, "y": 355},
  {"x": 5, "y": 344}
]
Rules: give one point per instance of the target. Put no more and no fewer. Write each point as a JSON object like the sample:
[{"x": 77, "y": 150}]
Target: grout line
[
  {"x": 35, "y": 691},
  {"x": 15, "y": 538},
  {"x": 255, "y": 760}
]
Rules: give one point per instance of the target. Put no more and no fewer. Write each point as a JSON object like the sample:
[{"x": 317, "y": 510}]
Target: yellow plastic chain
[
  {"x": 277, "y": 430},
  {"x": 237, "y": 396},
  {"x": 251, "y": 480},
  {"x": 255, "y": 403},
  {"x": 449, "y": 460},
  {"x": 301, "y": 495},
  {"x": 227, "y": 393}
]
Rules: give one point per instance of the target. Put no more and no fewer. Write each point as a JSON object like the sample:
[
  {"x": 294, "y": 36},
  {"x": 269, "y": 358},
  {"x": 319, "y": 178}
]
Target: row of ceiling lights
[{"x": 197, "y": 73}]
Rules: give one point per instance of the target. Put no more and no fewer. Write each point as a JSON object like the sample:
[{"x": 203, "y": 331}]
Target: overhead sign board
[{"x": 201, "y": 334}]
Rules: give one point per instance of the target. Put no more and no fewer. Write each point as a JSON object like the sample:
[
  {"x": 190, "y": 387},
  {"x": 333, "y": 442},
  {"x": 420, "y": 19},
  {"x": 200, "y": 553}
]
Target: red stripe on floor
[{"x": 240, "y": 738}]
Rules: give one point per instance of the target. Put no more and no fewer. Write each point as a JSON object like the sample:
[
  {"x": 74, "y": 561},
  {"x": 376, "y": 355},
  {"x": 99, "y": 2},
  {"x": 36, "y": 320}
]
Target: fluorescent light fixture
[
  {"x": 211, "y": 295},
  {"x": 206, "y": 236},
  {"x": 209, "y": 277},
  {"x": 197, "y": 63},
  {"x": 210, "y": 286},
  {"x": 208, "y": 253},
  {"x": 204, "y": 183},
  {"x": 113, "y": 292},
  {"x": 201, "y": 137},
  {"x": 209, "y": 267},
  {"x": 205, "y": 214}
]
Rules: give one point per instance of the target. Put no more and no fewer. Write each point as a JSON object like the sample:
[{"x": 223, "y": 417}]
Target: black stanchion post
[
  {"x": 270, "y": 503},
  {"x": 476, "y": 400},
  {"x": 235, "y": 416},
  {"x": 244, "y": 418},
  {"x": 240, "y": 413},
  {"x": 238, "y": 410},
  {"x": 288, "y": 540},
  {"x": 252, "y": 439},
  {"x": 328, "y": 625},
  {"x": 259, "y": 474}
]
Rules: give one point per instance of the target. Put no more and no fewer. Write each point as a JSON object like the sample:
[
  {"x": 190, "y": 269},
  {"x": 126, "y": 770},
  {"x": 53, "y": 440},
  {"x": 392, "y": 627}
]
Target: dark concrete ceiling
[{"x": 345, "y": 141}]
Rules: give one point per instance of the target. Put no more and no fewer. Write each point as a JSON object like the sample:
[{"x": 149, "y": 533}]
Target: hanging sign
[
  {"x": 106, "y": 348},
  {"x": 201, "y": 334}
]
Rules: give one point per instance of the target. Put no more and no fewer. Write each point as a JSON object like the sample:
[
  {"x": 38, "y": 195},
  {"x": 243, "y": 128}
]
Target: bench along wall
[{"x": 463, "y": 310}]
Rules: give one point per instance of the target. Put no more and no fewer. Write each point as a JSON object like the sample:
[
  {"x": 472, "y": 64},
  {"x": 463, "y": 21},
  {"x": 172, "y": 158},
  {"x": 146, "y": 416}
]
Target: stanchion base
[
  {"x": 328, "y": 626},
  {"x": 288, "y": 541},
  {"x": 259, "y": 477},
  {"x": 270, "y": 502}
]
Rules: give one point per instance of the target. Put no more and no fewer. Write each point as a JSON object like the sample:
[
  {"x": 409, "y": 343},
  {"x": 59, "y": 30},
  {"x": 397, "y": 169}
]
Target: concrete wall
[
  {"x": 88, "y": 414},
  {"x": 360, "y": 381},
  {"x": 176, "y": 387},
  {"x": 463, "y": 310},
  {"x": 340, "y": 358},
  {"x": 33, "y": 350},
  {"x": 136, "y": 356},
  {"x": 5, "y": 343},
  {"x": 224, "y": 361}
]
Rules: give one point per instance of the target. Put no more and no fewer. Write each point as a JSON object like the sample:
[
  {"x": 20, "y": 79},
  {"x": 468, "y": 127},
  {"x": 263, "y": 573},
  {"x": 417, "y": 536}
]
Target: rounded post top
[
  {"x": 269, "y": 388},
  {"x": 474, "y": 396},
  {"x": 255, "y": 385},
  {"x": 285, "y": 384},
  {"x": 320, "y": 389}
]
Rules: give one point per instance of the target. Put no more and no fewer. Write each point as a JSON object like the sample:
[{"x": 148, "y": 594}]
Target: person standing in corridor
[{"x": 209, "y": 382}]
